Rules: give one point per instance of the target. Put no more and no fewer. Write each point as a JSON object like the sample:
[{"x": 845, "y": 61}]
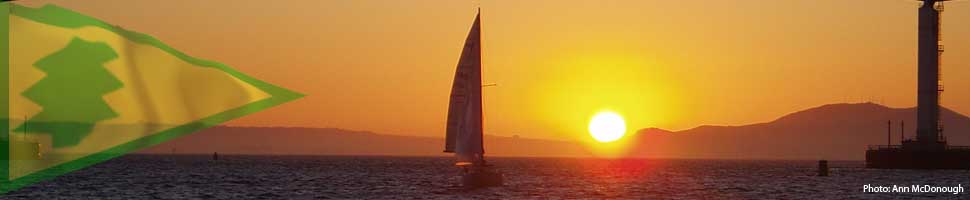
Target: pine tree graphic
[{"x": 71, "y": 93}]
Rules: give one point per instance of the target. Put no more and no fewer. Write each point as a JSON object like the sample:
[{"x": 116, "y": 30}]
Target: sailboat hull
[{"x": 482, "y": 177}]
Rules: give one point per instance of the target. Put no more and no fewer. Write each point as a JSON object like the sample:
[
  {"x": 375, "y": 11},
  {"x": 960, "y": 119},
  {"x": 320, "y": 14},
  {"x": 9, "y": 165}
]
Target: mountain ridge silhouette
[{"x": 833, "y": 131}]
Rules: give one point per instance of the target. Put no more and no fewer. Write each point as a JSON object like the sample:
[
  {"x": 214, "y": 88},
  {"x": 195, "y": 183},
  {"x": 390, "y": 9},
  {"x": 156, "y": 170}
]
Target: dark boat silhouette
[{"x": 464, "y": 135}]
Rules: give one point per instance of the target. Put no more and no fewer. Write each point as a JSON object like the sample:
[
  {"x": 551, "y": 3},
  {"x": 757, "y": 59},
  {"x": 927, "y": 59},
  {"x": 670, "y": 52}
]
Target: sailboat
[{"x": 465, "y": 117}]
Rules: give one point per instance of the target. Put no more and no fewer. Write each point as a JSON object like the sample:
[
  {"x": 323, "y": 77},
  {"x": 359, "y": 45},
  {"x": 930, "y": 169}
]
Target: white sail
[{"x": 464, "y": 132}]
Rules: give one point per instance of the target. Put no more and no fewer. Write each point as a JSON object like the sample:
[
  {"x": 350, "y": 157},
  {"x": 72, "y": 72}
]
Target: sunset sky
[{"x": 387, "y": 65}]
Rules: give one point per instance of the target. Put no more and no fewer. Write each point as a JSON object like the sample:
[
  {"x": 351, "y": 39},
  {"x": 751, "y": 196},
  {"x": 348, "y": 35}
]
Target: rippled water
[{"x": 342, "y": 177}]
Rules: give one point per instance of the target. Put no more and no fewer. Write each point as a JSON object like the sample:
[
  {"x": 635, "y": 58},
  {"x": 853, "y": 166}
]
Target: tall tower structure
[
  {"x": 928, "y": 125},
  {"x": 929, "y": 150}
]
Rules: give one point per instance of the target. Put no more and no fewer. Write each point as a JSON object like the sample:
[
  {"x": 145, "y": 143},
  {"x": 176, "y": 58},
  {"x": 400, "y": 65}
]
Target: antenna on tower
[
  {"x": 889, "y": 132},
  {"x": 902, "y": 131}
]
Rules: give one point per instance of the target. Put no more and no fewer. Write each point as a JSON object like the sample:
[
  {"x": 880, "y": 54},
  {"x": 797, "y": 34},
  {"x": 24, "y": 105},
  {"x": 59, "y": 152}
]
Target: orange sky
[{"x": 387, "y": 65}]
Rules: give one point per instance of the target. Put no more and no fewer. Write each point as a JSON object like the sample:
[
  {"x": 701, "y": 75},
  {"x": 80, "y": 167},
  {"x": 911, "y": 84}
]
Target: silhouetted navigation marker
[{"x": 823, "y": 168}]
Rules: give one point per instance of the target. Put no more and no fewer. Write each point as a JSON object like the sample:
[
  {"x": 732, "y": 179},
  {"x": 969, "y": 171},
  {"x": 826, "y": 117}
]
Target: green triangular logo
[{"x": 78, "y": 91}]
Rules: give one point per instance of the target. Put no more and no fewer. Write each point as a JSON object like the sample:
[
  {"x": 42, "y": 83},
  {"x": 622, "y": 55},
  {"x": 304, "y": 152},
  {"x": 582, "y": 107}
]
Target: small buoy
[{"x": 823, "y": 168}]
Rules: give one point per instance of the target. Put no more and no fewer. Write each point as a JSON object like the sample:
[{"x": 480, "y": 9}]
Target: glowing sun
[{"x": 607, "y": 126}]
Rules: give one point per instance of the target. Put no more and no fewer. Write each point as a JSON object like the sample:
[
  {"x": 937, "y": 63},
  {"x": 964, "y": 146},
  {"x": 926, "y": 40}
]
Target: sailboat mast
[{"x": 481, "y": 73}]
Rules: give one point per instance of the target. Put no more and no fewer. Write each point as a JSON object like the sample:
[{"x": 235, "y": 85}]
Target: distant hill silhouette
[
  {"x": 835, "y": 132},
  {"x": 330, "y": 141}
]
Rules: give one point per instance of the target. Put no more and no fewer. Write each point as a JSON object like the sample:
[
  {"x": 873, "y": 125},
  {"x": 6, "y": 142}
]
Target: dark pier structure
[{"x": 929, "y": 150}]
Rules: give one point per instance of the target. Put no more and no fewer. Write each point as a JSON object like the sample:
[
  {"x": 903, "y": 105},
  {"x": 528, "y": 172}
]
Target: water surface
[{"x": 368, "y": 177}]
